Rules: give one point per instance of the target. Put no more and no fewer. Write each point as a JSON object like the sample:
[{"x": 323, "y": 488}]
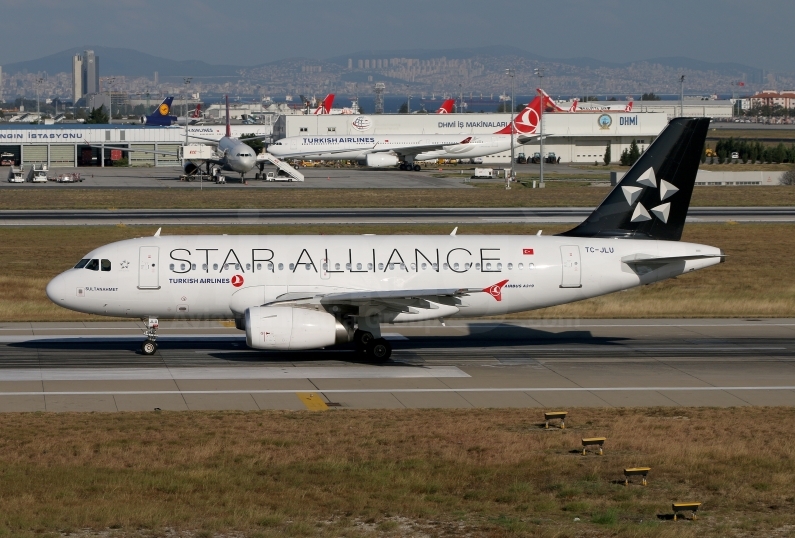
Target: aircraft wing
[{"x": 395, "y": 300}]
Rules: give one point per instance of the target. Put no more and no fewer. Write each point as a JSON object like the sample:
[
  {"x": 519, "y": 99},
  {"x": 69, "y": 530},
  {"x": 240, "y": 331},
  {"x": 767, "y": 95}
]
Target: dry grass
[
  {"x": 750, "y": 283},
  {"x": 437, "y": 473},
  {"x": 561, "y": 194}
]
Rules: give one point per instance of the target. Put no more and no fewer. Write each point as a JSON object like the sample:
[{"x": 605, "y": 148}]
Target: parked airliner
[
  {"x": 306, "y": 292},
  {"x": 385, "y": 150}
]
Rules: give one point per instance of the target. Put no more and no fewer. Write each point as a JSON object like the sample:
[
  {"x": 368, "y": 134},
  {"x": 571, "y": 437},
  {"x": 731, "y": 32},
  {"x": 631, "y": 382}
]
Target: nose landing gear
[{"x": 149, "y": 346}]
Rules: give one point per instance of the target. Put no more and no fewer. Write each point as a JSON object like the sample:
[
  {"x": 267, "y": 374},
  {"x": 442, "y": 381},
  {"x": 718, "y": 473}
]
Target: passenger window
[
  {"x": 237, "y": 267},
  {"x": 358, "y": 266},
  {"x": 499, "y": 267},
  {"x": 488, "y": 266},
  {"x": 435, "y": 266},
  {"x": 93, "y": 265},
  {"x": 307, "y": 266},
  {"x": 369, "y": 266},
  {"x": 391, "y": 266},
  {"x": 226, "y": 267},
  {"x": 325, "y": 266},
  {"x": 510, "y": 266},
  {"x": 455, "y": 266},
  {"x": 348, "y": 266},
  {"x": 445, "y": 266},
  {"x": 402, "y": 266},
  {"x": 336, "y": 267},
  {"x": 477, "y": 267},
  {"x": 193, "y": 267},
  {"x": 292, "y": 267},
  {"x": 380, "y": 266},
  {"x": 105, "y": 265},
  {"x": 424, "y": 266},
  {"x": 281, "y": 266},
  {"x": 413, "y": 266},
  {"x": 215, "y": 267},
  {"x": 270, "y": 266},
  {"x": 204, "y": 267},
  {"x": 182, "y": 267},
  {"x": 248, "y": 267},
  {"x": 521, "y": 266},
  {"x": 171, "y": 266},
  {"x": 82, "y": 263},
  {"x": 530, "y": 266},
  {"x": 259, "y": 267},
  {"x": 467, "y": 266}
]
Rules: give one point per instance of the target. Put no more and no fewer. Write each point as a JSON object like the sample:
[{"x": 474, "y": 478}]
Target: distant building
[
  {"x": 77, "y": 78},
  {"x": 85, "y": 74},
  {"x": 90, "y": 72},
  {"x": 772, "y": 98}
]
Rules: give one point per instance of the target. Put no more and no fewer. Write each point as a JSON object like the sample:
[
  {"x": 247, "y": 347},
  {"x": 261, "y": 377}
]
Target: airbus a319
[{"x": 307, "y": 292}]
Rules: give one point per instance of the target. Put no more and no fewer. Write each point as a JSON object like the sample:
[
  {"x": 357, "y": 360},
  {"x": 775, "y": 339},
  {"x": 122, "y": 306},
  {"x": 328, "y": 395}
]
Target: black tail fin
[{"x": 651, "y": 201}]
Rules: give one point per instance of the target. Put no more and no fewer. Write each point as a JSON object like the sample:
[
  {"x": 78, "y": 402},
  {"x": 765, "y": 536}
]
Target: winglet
[
  {"x": 454, "y": 230},
  {"x": 157, "y": 233}
]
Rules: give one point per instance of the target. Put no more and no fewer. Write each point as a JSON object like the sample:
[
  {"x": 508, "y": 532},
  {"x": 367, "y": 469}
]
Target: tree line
[{"x": 752, "y": 151}]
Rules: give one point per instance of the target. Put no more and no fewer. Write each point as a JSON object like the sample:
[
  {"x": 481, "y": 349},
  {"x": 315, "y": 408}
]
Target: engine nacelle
[
  {"x": 285, "y": 328},
  {"x": 189, "y": 167},
  {"x": 143, "y": 120},
  {"x": 380, "y": 160}
]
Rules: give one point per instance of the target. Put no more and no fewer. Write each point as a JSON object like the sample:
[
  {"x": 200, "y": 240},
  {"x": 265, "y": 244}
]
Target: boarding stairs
[{"x": 281, "y": 165}]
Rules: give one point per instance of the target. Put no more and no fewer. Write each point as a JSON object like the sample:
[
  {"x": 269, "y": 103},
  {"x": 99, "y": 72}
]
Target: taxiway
[{"x": 508, "y": 363}]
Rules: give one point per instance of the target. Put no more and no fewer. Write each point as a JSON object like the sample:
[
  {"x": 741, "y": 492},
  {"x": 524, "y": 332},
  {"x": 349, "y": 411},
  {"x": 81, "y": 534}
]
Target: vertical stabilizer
[
  {"x": 652, "y": 199},
  {"x": 526, "y": 121},
  {"x": 228, "y": 126}
]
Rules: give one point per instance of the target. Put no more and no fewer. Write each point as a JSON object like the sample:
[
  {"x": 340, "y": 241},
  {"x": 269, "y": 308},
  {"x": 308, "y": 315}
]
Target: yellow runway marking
[{"x": 312, "y": 401}]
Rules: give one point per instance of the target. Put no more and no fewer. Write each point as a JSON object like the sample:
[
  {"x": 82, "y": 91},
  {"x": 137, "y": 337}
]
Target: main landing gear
[
  {"x": 408, "y": 167},
  {"x": 375, "y": 349},
  {"x": 149, "y": 346}
]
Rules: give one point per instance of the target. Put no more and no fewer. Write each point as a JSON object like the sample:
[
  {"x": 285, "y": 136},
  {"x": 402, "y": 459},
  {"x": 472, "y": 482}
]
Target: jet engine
[
  {"x": 381, "y": 160},
  {"x": 286, "y": 328},
  {"x": 190, "y": 167},
  {"x": 143, "y": 120}
]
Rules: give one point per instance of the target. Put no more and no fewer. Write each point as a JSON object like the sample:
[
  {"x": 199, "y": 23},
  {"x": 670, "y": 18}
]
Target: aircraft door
[
  {"x": 324, "y": 274},
  {"x": 148, "y": 268},
  {"x": 572, "y": 268}
]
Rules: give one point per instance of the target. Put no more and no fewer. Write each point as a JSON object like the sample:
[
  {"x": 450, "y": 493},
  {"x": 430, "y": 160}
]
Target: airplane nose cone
[{"x": 56, "y": 290}]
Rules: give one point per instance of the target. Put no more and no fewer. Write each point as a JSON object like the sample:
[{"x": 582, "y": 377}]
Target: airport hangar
[
  {"x": 74, "y": 144},
  {"x": 574, "y": 137}
]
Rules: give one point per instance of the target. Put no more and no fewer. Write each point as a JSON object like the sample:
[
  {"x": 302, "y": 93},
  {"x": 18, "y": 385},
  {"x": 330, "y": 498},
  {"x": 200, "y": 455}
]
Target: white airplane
[
  {"x": 307, "y": 292},
  {"x": 404, "y": 150},
  {"x": 589, "y": 106},
  {"x": 233, "y": 154},
  {"x": 194, "y": 118}
]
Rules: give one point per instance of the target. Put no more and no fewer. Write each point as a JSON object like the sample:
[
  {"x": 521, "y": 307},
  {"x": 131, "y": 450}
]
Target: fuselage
[
  {"x": 357, "y": 147},
  {"x": 220, "y": 276},
  {"x": 236, "y": 155}
]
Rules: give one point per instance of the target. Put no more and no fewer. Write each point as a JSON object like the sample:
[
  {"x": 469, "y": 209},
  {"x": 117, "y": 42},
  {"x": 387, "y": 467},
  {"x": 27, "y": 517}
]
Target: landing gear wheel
[
  {"x": 362, "y": 338},
  {"x": 403, "y": 167},
  {"x": 417, "y": 168},
  {"x": 149, "y": 347},
  {"x": 379, "y": 350}
]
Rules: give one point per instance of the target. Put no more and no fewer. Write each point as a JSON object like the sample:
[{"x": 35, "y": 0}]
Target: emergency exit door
[
  {"x": 149, "y": 268},
  {"x": 572, "y": 268}
]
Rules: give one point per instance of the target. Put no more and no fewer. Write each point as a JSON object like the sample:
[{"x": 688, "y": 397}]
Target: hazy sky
[{"x": 250, "y": 32}]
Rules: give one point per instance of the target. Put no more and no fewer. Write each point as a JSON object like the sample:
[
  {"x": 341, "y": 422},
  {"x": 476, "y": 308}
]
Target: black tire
[
  {"x": 403, "y": 167},
  {"x": 149, "y": 347},
  {"x": 417, "y": 168},
  {"x": 361, "y": 339},
  {"x": 379, "y": 350}
]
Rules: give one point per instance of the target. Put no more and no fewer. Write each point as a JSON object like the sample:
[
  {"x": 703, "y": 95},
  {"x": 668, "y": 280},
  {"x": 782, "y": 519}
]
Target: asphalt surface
[
  {"x": 363, "y": 215},
  {"x": 543, "y": 364}
]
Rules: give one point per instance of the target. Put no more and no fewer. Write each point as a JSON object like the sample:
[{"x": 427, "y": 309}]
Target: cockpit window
[
  {"x": 93, "y": 265},
  {"x": 82, "y": 263},
  {"x": 105, "y": 264}
]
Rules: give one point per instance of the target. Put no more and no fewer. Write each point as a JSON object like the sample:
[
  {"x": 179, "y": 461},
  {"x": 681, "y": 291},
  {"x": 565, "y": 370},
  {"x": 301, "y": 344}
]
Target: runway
[
  {"x": 510, "y": 363},
  {"x": 68, "y": 217}
]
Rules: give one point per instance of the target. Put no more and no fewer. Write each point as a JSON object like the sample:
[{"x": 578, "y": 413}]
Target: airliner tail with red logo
[
  {"x": 526, "y": 121},
  {"x": 325, "y": 105},
  {"x": 447, "y": 107}
]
